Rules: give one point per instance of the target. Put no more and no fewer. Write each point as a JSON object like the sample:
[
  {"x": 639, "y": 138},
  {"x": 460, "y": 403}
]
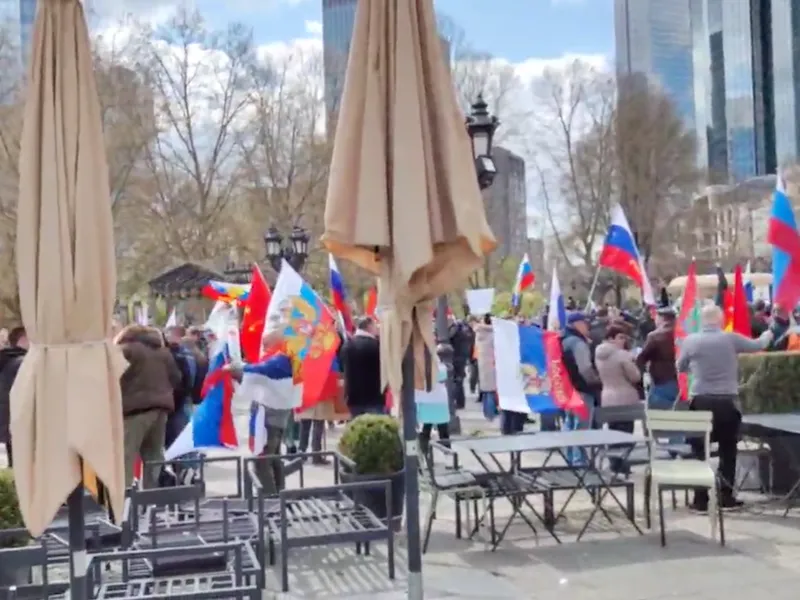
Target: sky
[{"x": 530, "y": 35}]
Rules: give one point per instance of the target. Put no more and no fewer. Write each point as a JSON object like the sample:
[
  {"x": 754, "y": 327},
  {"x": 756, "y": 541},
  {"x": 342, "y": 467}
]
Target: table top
[
  {"x": 786, "y": 422},
  {"x": 545, "y": 440}
]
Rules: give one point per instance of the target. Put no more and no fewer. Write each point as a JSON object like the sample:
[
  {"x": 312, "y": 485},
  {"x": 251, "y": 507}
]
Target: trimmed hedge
[{"x": 769, "y": 382}]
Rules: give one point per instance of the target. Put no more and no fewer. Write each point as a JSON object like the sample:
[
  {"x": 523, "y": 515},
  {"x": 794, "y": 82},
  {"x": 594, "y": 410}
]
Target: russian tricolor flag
[
  {"x": 557, "y": 313},
  {"x": 212, "y": 421},
  {"x": 524, "y": 281},
  {"x": 621, "y": 255},
  {"x": 531, "y": 375},
  {"x": 339, "y": 295},
  {"x": 785, "y": 240}
]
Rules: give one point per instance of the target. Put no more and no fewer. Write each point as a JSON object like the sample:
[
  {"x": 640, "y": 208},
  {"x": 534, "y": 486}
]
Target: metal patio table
[
  {"x": 556, "y": 443},
  {"x": 787, "y": 423}
]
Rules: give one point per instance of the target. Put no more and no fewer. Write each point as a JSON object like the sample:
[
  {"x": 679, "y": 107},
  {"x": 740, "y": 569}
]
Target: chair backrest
[
  {"x": 691, "y": 423},
  {"x": 151, "y": 502},
  {"x": 612, "y": 414}
]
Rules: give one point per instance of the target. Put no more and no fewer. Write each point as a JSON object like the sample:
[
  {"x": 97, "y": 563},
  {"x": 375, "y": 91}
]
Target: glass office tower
[
  {"x": 785, "y": 44},
  {"x": 338, "y": 17},
  {"x": 734, "y": 85},
  {"x": 654, "y": 39}
]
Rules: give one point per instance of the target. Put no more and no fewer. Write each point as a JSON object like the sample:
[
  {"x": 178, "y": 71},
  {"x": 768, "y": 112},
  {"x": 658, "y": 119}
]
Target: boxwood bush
[{"x": 769, "y": 382}]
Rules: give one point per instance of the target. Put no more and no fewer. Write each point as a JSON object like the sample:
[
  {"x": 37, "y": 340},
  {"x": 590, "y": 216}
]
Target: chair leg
[
  {"x": 429, "y": 520},
  {"x": 720, "y": 513},
  {"x": 713, "y": 508},
  {"x": 661, "y": 517},
  {"x": 458, "y": 517},
  {"x": 648, "y": 491}
]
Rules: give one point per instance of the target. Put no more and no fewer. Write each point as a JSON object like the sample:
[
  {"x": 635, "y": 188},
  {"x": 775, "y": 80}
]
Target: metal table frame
[
  {"x": 555, "y": 444},
  {"x": 788, "y": 423}
]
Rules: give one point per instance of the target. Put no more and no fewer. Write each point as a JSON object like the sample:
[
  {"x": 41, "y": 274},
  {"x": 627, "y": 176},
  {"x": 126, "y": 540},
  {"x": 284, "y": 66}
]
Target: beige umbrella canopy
[
  {"x": 65, "y": 403},
  {"x": 403, "y": 199}
]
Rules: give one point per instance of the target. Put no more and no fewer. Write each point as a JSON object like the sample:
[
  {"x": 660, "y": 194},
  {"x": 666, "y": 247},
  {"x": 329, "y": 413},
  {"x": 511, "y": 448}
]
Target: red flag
[
  {"x": 741, "y": 311},
  {"x": 371, "y": 302},
  {"x": 688, "y": 322},
  {"x": 255, "y": 311}
]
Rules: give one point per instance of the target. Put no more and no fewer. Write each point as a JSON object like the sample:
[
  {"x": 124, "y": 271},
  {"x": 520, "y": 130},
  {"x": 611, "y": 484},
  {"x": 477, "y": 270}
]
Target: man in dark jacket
[
  {"x": 658, "y": 356},
  {"x": 10, "y": 361},
  {"x": 361, "y": 365},
  {"x": 462, "y": 339},
  {"x": 577, "y": 356}
]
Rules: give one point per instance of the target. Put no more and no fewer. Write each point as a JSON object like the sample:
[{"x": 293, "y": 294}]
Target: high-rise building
[
  {"x": 16, "y": 19},
  {"x": 653, "y": 39},
  {"x": 785, "y": 45},
  {"x": 734, "y": 86},
  {"x": 506, "y": 204},
  {"x": 338, "y": 17}
]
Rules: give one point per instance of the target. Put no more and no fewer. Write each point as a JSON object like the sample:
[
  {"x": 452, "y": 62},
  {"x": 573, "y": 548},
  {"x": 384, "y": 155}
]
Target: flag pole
[{"x": 591, "y": 289}]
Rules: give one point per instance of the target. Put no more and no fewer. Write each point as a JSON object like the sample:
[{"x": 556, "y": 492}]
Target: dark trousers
[
  {"x": 357, "y": 411},
  {"x": 473, "y": 376},
  {"x": 616, "y": 463},
  {"x": 512, "y": 422},
  {"x": 10, "y": 454},
  {"x": 425, "y": 437},
  {"x": 313, "y": 430},
  {"x": 459, "y": 374},
  {"x": 725, "y": 423}
]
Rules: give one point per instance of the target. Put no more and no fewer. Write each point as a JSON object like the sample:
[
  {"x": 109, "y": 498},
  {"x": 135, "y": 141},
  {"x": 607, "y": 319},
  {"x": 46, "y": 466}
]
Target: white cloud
[{"x": 313, "y": 27}]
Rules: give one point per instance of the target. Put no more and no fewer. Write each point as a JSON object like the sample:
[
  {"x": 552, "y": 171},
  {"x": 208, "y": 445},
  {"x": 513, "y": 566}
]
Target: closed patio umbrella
[
  {"x": 66, "y": 408},
  {"x": 403, "y": 200}
]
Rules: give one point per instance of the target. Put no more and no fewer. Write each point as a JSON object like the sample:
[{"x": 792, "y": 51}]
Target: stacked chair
[{"x": 184, "y": 542}]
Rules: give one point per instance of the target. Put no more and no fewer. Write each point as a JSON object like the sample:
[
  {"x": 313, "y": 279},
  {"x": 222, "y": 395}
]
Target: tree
[
  {"x": 201, "y": 81},
  {"x": 656, "y": 156},
  {"x": 574, "y": 156},
  {"x": 284, "y": 155},
  {"x": 476, "y": 72}
]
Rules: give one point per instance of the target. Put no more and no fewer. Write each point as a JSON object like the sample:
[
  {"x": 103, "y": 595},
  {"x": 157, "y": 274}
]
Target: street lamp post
[
  {"x": 481, "y": 127},
  {"x": 295, "y": 252}
]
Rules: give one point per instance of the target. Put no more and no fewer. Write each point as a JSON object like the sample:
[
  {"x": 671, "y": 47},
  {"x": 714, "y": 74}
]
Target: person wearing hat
[
  {"x": 577, "y": 357},
  {"x": 658, "y": 358}
]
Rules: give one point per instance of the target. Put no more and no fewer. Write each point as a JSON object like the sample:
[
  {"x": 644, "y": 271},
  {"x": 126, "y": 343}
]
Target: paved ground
[{"x": 611, "y": 562}]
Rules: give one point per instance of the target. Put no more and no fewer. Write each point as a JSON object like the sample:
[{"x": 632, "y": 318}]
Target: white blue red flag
[
  {"x": 785, "y": 240},
  {"x": 557, "y": 312},
  {"x": 531, "y": 375},
  {"x": 339, "y": 295},
  {"x": 621, "y": 255},
  {"x": 212, "y": 423},
  {"x": 525, "y": 280}
]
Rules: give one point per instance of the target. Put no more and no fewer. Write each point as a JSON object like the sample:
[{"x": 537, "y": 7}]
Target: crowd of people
[{"x": 612, "y": 359}]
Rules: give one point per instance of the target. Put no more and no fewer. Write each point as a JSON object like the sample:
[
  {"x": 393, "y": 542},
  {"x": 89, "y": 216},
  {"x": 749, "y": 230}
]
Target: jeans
[
  {"x": 725, "y": 422},
  {"x": 662, "y": 396},
  {"x": 573, "y": 422},
  {"x": 459, "y": 374},
  {"x": 313, "y": 429},
  {"x": 512, "y": 422}
]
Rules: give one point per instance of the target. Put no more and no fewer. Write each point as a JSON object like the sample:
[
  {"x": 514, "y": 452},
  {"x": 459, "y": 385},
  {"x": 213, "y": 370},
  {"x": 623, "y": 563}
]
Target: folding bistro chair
[{"x": 681, "y": 473}]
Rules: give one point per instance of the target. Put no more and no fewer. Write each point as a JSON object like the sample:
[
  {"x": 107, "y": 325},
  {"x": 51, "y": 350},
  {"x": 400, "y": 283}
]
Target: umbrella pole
[
  {"x": 411, "y": 476},
  {"x": 77, "y": 546}
]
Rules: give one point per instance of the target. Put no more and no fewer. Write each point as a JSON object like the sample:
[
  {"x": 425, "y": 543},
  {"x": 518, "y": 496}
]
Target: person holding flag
[
  {"x": 658, "y": 357},
  {"x": 710, "y": 358}
]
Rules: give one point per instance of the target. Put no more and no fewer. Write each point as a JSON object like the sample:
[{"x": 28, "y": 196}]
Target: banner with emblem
[{"x": 531, "y": 376}]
